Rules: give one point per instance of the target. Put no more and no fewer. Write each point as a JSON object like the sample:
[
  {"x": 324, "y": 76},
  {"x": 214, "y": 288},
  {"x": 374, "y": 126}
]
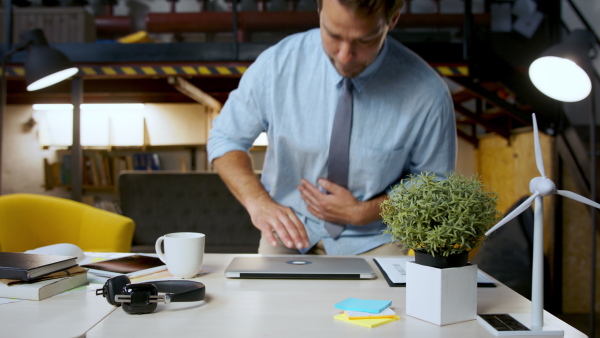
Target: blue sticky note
[{"x": 364, "y": 305}]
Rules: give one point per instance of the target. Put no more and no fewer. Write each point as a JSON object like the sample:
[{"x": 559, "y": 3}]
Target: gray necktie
[{"x": 337, "y": 168}]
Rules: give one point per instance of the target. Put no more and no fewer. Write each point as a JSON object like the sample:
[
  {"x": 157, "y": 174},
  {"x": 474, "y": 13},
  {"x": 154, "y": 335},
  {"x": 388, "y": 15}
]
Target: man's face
[{"x": 351, "y": 42}]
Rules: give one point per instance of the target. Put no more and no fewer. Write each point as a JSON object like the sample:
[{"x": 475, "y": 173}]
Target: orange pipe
[
  {"x": 113, "y": 25},
  {"x": 214, "y": 22}
]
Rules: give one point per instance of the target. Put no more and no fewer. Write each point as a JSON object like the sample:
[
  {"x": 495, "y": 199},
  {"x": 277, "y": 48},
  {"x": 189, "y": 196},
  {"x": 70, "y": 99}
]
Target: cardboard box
[{"x": 441, "y": 296}]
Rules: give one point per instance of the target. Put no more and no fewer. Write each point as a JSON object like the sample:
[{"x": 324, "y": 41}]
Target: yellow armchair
[{"x": 29, "y": 221}]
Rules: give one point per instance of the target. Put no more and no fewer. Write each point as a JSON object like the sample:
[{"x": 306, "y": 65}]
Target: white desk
[
  {"x": 68, "y": 315},
  {"x": 292, "y": 308}
]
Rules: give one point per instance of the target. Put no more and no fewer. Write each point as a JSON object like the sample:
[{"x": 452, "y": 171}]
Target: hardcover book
[
  {"x": 44, "y": 288},
  {"x": 24, "y": 266}
]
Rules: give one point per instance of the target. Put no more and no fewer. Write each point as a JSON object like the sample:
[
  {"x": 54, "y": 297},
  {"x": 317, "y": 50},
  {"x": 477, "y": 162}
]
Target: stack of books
[
  {"x": 366, "y": 312},
  {"x": 37, "y": 277}
]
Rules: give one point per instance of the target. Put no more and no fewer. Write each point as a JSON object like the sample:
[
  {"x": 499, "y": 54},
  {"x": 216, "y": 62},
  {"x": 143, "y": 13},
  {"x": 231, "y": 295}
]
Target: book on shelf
[
  {"x": 65, "y": 170},
  {"x": 86, "y": 171},
  {"x": 95, "y": 175},
  {"x": 146, "y": 161},
  {"x": 99, "y": 164},
  {"x": 24, "y": 266},
  {"x": 94, "y": 170},
  {"x": 106, "y": 169},
  {"x": 44, "y": 288},
  {"x": 101, "y": 168}
]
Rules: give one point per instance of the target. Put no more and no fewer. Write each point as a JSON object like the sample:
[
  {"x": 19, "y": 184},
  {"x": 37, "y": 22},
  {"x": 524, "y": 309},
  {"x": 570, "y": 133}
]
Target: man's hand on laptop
[{"x": 272, "y": 218}]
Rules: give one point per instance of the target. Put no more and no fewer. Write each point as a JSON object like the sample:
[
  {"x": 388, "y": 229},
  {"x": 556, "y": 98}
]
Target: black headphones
[{"x": 140, "y": 298}]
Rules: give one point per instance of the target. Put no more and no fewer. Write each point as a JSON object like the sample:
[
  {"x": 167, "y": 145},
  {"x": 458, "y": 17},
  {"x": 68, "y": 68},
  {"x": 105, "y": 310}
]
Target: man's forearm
[
  {"x": 370, "y": 210},
  {"x": 235, "y": 169}
]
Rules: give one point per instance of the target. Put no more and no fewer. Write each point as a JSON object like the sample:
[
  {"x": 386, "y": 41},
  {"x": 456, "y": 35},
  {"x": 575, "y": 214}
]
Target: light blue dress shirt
[{"x": 403, "y": 123}]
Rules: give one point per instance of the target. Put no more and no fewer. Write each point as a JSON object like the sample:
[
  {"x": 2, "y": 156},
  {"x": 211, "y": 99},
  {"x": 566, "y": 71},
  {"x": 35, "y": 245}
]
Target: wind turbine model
[{"x": 540, "y": 187}]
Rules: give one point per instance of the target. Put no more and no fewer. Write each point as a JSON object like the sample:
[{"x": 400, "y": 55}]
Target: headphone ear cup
[{"x": 114, "y": 286}]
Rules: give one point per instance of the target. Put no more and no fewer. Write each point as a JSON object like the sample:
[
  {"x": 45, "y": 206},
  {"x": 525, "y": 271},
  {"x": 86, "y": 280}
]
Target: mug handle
[{"x": 158, "y": 249}]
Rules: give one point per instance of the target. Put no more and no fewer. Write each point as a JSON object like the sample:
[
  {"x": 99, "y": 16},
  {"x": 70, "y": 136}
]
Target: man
[{"x": 402, "y": 123}]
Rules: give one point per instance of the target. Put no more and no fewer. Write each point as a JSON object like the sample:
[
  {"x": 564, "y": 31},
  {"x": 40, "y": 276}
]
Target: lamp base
[{"x": 516, "y": 325}]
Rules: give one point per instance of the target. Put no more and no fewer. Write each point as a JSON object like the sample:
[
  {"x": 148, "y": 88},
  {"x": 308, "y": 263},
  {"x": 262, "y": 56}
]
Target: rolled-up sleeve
[
  {"x": 435, "y": 149},
  {"x": 241, "y": 119}
]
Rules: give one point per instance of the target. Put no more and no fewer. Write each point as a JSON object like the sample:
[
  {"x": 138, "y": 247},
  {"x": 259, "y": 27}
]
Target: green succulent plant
[{"x": 447, "y": 215}]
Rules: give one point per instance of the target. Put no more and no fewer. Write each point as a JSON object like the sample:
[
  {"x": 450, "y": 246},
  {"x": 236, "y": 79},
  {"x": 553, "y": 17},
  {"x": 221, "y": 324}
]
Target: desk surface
[
  {"x": 297, "y": 308},
  {"x": 67, "y": 315},
  {"x": 249, "y": 308}
]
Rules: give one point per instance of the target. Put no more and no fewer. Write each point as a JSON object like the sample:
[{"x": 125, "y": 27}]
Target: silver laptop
[{"x": 300, "y": 267}]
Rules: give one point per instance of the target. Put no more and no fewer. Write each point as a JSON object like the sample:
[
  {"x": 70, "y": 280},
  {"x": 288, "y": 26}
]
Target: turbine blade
[
  {"x": 514, "y": 213},
  {"x": 578, "y": 198},
  {"x": 539, "y": 161}
]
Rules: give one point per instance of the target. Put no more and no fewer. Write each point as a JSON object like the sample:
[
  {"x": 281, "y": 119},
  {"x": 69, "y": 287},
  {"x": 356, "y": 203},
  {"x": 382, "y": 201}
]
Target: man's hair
[{"x": 367, "y": 8}]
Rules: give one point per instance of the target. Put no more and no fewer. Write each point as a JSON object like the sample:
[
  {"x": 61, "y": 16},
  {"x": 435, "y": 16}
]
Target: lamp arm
[{"x": 17, "y": 48}]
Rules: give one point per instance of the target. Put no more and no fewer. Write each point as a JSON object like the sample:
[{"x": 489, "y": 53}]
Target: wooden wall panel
[
  {"x": 576, "y": 241},
  {"x": 508, "y": 167},
  {"x": 495, "y": 165}
]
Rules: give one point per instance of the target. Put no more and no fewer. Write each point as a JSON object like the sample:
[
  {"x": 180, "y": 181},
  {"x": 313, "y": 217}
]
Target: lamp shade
[
  {"x": 563, "y": 71},
  {"x": 44, "y": 65}
]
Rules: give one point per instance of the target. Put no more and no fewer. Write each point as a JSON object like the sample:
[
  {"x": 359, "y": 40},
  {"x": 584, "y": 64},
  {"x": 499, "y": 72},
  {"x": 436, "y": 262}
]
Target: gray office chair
[{"x": 163, "y": 202}]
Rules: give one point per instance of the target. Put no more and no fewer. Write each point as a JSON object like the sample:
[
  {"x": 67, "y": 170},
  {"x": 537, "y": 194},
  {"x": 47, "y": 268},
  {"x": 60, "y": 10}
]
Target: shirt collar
[{"x": 360, "y": 81}]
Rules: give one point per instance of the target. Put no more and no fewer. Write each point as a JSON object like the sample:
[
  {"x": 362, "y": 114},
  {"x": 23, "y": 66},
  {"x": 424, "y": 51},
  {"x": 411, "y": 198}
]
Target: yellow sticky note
[
  {"x": 366, "y": 322},
  {"x": 354, "y": 315}
]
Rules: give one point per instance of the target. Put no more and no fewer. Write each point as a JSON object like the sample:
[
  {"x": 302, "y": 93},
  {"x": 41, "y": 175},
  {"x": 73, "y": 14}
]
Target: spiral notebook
[{"x": 394, "y": 271}]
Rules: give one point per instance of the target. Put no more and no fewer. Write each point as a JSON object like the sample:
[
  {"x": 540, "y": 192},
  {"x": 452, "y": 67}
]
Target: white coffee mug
[{"x": 183, "y": 254}]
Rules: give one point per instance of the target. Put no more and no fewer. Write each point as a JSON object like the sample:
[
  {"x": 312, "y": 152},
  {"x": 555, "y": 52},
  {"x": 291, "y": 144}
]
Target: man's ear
[{"x": 394, "y": 19}]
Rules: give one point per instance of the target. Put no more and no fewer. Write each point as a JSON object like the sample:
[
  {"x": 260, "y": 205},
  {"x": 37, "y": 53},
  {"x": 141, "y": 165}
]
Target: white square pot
[{"x": 441, "y": 296}]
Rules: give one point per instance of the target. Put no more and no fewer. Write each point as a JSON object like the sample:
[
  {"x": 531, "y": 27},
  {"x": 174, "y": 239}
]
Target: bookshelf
[
  {"x": 116, "y": 136},
  {"x": 100, "y": 167}
]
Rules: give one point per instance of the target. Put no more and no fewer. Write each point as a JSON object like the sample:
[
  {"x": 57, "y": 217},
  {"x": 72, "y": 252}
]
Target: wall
[
  {"x": 465, "y": 158},
  {"x": 22, "y": 156},
  {"x": 576, "y": 259}
]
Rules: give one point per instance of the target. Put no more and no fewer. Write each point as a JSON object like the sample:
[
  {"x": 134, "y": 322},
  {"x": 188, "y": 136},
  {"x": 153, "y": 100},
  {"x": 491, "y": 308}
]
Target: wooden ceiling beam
[{"x": 195, "y": 93}]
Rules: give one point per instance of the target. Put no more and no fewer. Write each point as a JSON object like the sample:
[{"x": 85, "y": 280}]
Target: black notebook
[{"x": 23, "y": 266}]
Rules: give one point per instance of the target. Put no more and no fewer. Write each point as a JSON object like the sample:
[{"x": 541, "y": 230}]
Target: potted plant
[{"x": 442, "y": 219}]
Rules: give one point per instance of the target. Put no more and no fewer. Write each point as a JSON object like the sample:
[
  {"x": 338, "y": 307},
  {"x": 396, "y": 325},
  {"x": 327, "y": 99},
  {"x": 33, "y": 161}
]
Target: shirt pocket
[{"x": 375, "y": 168}]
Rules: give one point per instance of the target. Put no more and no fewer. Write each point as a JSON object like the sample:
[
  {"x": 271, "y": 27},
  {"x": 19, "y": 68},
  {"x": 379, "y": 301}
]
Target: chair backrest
[
  {"x": 29, "y": 221},
  {"x": 164, "y": 202}
]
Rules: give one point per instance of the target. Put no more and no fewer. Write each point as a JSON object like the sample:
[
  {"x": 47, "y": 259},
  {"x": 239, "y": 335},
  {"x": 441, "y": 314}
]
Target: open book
[{"x": 132, "y": 266}]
